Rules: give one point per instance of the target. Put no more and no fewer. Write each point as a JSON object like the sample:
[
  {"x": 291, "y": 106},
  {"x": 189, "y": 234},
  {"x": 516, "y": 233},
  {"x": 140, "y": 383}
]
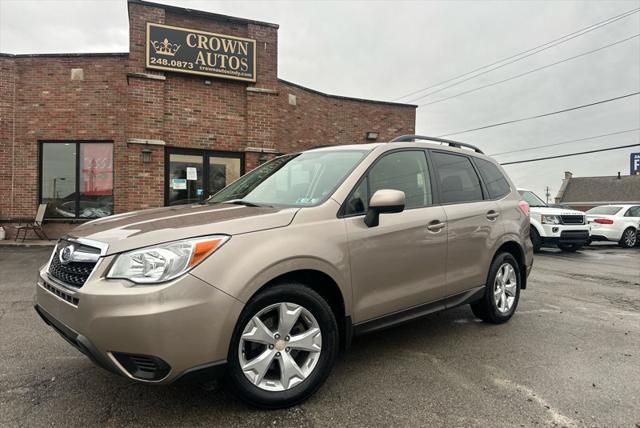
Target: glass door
[
  {"x": 222, "y": 172},
  {"x": 194, "y": 174},
  {"x": 182, "y": 188}
]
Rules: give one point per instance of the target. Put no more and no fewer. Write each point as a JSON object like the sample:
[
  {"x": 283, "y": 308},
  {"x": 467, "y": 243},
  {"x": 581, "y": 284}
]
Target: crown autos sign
[{"x": 197, "y": 52}]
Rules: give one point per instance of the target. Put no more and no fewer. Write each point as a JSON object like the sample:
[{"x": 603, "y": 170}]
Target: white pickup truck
[{"x": 555, "y": 227}]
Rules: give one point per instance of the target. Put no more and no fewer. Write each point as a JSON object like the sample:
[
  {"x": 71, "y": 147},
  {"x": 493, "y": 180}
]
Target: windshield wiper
[{"x": 245, "y": 203}]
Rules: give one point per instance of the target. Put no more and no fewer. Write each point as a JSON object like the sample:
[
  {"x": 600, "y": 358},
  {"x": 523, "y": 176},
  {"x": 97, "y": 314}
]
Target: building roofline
[
  {"x": 204, "y": 14},
  {"x": 340, "y": 97},
  {"x": 63, "y": 55}
]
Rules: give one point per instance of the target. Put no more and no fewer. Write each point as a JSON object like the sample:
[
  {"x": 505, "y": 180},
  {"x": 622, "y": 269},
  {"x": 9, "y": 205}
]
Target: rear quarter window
[{"x": 494, "y": 180}]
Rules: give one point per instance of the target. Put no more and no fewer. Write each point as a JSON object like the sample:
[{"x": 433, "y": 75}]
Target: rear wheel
[
  {"x": 629, "y": 238},
  {"x": 502, "y": 291},
  {"x": 535, "y": 240},
  {"x": 283, "y": 347}
]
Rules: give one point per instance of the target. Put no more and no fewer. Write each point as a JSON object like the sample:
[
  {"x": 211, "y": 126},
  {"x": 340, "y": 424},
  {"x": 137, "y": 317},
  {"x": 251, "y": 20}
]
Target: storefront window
[
  {"x": 77, "y": 179},
  {"x": 211, "y": 171}
]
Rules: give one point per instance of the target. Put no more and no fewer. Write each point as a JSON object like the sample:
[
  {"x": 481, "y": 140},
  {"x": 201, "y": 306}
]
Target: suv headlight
[
  {"x": 164, "y": 262},
  {"x": 550, "y": 219}
]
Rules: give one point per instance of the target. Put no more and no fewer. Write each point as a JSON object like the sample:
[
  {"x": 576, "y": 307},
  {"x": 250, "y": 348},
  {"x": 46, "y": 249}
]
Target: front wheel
[
  {"x": 629, "y": 238},
  {"x": 570, "y": 248},
  {"x": 535, "y": 240},
  {"x": 502, "y": 291},
  {"x": 283, "y": 347}
]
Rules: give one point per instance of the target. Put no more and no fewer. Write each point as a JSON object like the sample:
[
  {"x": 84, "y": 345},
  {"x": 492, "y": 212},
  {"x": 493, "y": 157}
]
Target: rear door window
[
  {"x": 457, "y": 178},
  {"x": 494, "y": 180}
]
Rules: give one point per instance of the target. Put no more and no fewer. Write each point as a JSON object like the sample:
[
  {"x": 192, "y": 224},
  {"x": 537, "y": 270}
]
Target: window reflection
[
  {"x": 96, "y": 180},
  {"x": 59, "y": 181}
]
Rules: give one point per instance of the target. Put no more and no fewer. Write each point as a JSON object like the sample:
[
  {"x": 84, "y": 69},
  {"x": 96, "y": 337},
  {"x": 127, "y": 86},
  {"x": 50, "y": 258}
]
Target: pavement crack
[{"x": 557, "y": 418}]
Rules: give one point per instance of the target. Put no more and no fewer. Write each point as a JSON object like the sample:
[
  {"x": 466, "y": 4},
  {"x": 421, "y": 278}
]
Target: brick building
[{"x": 98, "y": 134}]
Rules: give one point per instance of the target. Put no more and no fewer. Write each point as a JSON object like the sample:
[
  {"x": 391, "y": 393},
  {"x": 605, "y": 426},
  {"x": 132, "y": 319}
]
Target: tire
[
  {"x": 278, "y": 387},
  {"x": 629, "y": 238},
  {"x": 570, "y": 248},
  {"x": 535, "y": 240},
  {"x": 487, "y": 309}
]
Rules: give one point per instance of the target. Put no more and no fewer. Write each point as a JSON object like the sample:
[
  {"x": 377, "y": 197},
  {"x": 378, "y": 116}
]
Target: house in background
[{"x": 583, "y": 193}]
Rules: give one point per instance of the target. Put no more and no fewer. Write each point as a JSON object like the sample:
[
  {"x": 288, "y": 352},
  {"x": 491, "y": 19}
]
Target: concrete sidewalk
[{"x": 27, "y": 243}]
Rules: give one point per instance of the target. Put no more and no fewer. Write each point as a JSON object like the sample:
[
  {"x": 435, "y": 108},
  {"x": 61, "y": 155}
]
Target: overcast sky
[{"x": 383, "y": 50}]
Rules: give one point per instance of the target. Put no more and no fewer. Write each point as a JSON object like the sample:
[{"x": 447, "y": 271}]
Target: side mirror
[{"x": 384, "y": 201}]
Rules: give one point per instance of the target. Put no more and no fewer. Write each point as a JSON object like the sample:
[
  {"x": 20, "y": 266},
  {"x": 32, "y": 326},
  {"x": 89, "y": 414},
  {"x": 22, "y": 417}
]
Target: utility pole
[{"x": 547, "y": 194}]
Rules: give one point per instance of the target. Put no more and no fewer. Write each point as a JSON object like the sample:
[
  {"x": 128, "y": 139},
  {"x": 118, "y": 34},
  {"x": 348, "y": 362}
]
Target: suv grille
[
  {"x": 572, "y": 219},
  {"x": 73, "y": 273}
]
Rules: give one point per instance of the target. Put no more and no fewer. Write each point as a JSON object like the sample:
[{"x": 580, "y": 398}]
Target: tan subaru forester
[{"x": 264, "y": 282}]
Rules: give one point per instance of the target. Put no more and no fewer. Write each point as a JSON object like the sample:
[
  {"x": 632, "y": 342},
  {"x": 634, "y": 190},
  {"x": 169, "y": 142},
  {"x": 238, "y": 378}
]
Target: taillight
[
  {"x": 603, "y": 221},
  {"x": 524, "y": 206}
]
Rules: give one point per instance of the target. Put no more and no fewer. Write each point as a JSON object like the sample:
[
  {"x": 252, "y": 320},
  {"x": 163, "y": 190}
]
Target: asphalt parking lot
[{"x": 569, "y": 357}]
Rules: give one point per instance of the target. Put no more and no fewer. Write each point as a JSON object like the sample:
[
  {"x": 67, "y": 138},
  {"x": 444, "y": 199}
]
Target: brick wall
[
  {"x": 50, "y": 106},
  {"x": 319, "y": 119},
  {"x": 7, "y": 87},
  {"x": 118, "y": 99}
]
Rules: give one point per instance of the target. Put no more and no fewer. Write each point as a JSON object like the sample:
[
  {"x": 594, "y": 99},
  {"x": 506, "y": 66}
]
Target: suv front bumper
[
  {"x": 562, "y": 234},
  {"x": 147, "y": 333},
  {"x": 568, "y": 237}
]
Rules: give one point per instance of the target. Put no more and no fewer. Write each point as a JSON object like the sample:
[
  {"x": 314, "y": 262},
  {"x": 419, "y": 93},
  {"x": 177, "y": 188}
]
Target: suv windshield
[
  {"x": 606, "y": 210},
  {"x": 301, "y": 179},
  {"x": 532, "y": 199}
]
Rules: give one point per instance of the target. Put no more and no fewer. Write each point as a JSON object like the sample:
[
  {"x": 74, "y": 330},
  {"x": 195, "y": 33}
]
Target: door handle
[
  {"x": 492, "y": 215},
  {"x": 436, "y": 226}
]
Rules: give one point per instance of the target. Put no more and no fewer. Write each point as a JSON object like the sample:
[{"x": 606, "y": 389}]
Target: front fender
[{"x": 247, "y": 262}]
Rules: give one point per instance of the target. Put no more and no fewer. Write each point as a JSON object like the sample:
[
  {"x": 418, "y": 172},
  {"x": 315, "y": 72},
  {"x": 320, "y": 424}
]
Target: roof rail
[{"x": 451, "y": 143}]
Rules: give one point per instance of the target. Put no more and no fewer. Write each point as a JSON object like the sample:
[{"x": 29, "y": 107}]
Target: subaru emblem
[{"x": 66, "y": 254}]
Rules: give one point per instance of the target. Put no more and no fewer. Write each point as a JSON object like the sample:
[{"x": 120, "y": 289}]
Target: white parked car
[
  {"x": 618, "y": 223},
  {"x": 564, "y": 228}
]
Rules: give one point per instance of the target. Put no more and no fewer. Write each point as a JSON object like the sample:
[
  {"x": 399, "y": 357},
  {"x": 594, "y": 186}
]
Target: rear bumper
[{"x": 605, "y": 232}]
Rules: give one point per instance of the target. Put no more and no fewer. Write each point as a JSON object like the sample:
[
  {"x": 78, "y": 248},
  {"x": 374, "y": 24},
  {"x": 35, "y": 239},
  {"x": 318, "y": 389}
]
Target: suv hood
[
  {"x": 555, "y": 211},
  {"x": 128, "y": 231}
]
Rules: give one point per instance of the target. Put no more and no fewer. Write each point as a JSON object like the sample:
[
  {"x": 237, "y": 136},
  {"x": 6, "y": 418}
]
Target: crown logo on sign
[{"x": 165, "y": 47}]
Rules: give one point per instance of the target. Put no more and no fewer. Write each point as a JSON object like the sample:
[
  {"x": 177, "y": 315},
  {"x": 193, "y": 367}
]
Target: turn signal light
[
  {"x": 204, "y": 248},
  {"x": 603, "y": 221},
  {"x": 524, "y": 206}
]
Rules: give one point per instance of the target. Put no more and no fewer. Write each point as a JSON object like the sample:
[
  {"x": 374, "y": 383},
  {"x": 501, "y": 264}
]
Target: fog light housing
[{"x": 143, "y": 367}]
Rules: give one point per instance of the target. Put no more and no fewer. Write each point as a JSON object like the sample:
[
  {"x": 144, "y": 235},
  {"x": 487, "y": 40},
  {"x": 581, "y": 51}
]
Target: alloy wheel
[
  {"x": 505, "y": 288},
  {"x": 280, "y": 346},
  {"x": 630, "y": 237}
]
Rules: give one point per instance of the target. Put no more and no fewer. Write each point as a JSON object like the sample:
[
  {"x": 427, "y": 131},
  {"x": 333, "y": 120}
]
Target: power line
[
  {"x": 539, "y": 115},
  {"x": 571, "y": 154},
  {"x": 529, "y": 52},
  {"x": 529, "y": 72},
  {"x": 566, "y": 142}
]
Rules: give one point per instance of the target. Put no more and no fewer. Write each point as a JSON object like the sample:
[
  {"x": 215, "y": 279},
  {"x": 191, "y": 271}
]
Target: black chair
[{"x": 36, "y": 226}]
